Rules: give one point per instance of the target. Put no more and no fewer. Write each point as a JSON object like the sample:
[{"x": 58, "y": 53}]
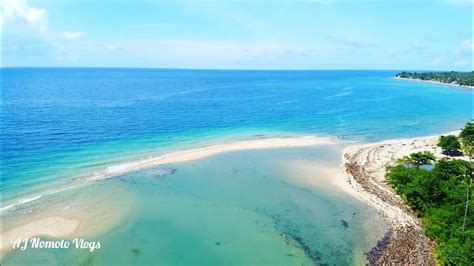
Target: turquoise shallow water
[
  {"x": 253, "y": 207},
  {"x": 240, "y": 208},
  {"x": 57, "y": 122}
]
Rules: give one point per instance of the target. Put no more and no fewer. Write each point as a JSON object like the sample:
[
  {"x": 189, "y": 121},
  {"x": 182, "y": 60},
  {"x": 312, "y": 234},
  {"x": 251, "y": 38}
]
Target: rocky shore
[{"x": 365, "y": 168}]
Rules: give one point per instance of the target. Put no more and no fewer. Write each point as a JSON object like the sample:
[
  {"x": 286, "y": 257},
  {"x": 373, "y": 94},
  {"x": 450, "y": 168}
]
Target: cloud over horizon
[{"x": 287, "y": 35}]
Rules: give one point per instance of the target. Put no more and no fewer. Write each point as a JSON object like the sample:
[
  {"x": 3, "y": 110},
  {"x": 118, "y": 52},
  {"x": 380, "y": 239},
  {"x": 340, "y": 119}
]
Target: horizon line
[{"x": 234, "y": 69}]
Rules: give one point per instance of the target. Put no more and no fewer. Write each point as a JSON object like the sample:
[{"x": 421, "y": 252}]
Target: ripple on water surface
[{"x": 246, "y": 207}]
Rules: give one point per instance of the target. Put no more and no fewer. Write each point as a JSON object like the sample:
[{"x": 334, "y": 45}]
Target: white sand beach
[
  {"x": 438, "y": 83},
  {"x": 373, "y": 159},
  {"x": 363, "y": 175},
  {"x": 205, "y": 151},
  {"x": 63, "y": 220},
  {"x": 52, "y": 226}
]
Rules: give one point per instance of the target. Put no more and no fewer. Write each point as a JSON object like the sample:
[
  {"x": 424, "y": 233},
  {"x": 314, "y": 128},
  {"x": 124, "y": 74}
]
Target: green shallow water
[{"x": 239, "y": 208}]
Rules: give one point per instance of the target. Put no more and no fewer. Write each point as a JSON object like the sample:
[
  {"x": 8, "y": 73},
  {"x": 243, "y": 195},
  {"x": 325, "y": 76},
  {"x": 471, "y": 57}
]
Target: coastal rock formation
[{"x": 365, "y": 168}]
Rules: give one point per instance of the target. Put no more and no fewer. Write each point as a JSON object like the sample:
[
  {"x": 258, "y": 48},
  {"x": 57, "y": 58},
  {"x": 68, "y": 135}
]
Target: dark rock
[
  {"x": 161, "y": 172},
  {"x": 376, "y": 252},
  {"x": 344, "y": 224},
  {"x": 313, "y": 254}
]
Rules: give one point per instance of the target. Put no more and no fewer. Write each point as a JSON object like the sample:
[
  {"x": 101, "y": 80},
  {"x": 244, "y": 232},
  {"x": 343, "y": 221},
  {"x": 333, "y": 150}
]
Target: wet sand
[
  {"x": 438, "y": 83},
  {"x": 58, "y": 219}
]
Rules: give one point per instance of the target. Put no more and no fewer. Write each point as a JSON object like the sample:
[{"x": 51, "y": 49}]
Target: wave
[
  {"x": 344, "y": 92},
  {"x": 20, "y": 201},
  {"x": 376, "y": 99},
  {"x": 181, "y": 156}
]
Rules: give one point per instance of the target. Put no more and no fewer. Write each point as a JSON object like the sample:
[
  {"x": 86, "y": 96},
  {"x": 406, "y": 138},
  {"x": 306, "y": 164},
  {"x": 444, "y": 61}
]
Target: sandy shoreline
[
  {"x": 362, "y": 175},
  {"x": 177, "y": 157},
  {"x": 205, "y": 151},
  {"x": 60, "y": 225},
  {"x": 437, "y": 83},
  {"x": 364, "y": 168},
  {"x": 55, "y": 227}
]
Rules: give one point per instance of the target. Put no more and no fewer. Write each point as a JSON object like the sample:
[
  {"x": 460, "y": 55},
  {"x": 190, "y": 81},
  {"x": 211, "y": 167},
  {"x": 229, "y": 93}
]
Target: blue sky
[{"x": 312, "y": 34}]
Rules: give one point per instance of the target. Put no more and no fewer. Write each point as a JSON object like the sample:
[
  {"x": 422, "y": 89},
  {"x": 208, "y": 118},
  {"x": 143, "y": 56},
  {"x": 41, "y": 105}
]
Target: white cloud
[
  {"x": 321, "y": 2},
  {"x": 467, "y": 46},
  {"x": 464, "y": 3},
  {"x": 463, "y": 54},
  {"x": 189, "y": 53},
  {"x": 25, "y": 30},
  {"x": 19, "y": 12},
  {"x": 73, "y": 35},
  {"x": 418, "y": 45},
  {"x": 355, "y": 40},
  {"x": 391, "y": 51},
  {"x": 110, "y": 47},
  {"x": 436, "y": 62},
  {"x": 465, "y": 64}
]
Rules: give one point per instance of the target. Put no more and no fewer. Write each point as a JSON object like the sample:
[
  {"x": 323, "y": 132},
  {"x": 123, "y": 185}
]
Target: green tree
[
  {"x": 421, "y": 158},
  {"x": 447, "y": 168},
  {"x": 460, "y": 78},
  {"x": 450, "y": 145},
  {"x": 438, "y": 196},
  {"x": 467, "y": 138}
]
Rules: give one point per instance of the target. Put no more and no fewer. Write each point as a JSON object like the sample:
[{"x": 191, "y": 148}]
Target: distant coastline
[
  {"x": 452, "y": 78},
  {"x": 437, "y": 82}
]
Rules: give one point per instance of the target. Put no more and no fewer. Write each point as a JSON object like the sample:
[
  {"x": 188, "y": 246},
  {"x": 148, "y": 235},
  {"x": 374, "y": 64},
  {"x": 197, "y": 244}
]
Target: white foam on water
[{"x": 20, "y": 201}]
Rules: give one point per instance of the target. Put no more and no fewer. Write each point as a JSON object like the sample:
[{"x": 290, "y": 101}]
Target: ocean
[{"x": 59, "y": 124}]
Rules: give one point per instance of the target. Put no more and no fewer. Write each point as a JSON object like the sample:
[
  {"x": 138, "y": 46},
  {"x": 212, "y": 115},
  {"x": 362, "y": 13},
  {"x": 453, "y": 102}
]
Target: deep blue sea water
[
  {"x": 61, "y": 121},
  {"x": 259, "y": 207}
]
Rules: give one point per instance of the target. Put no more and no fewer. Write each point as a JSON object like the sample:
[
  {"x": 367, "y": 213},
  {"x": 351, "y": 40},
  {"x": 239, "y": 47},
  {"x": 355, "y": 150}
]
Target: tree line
[
  {"x": 452, "y": 77},
  {"x": 441, "y": 195}
]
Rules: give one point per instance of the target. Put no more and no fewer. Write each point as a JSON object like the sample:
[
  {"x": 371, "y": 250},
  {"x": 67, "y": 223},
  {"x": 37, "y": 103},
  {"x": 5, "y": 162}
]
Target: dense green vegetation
[
  {"x": 461, "y": 78},
  {"x": 450, "y": 145},
  {"x": 441, "y": 197},
  {"x": 467, "y": 139},
  {"x": 419, "y": 158}
]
